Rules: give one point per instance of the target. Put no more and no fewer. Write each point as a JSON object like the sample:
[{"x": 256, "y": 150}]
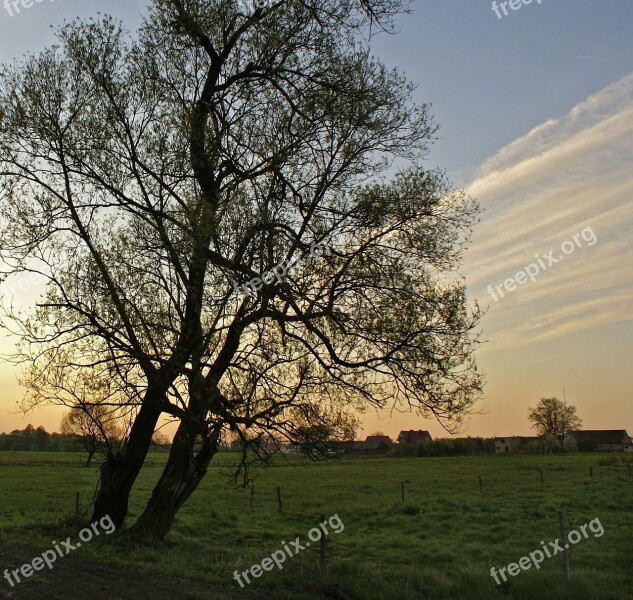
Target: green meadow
[{"x": 441, "y": 542}]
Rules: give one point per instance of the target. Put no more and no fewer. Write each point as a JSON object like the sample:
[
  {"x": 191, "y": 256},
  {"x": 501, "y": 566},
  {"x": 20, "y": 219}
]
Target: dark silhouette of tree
[
  {"x": 38, "y": 440},
  {"x": 211, "y": 208},
  {"x": 23, "y": 440},
  {"x": 160, "y": 439},
  {"x": 552, "y": 416},
  {"x": 96, "y": 426},
  {"x": 41, "y": 439}
]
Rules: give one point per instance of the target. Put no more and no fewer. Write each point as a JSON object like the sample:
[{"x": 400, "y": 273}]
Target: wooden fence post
[
  {"x": 481, "y": 486},
  {"x": 279, "y": 503},
  {"x": 402, "y": 492}
]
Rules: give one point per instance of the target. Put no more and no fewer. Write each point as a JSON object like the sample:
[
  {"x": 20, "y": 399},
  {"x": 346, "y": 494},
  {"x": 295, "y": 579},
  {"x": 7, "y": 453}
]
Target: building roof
[
  {"x": 412, "y": 436},
  {"x": 378, "y": 438},
  {"x": 602, "y": 436}
]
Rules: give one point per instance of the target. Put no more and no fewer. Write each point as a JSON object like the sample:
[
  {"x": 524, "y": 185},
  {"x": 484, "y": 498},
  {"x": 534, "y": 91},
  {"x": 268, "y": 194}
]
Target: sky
[{"x": 536, "y": 120}]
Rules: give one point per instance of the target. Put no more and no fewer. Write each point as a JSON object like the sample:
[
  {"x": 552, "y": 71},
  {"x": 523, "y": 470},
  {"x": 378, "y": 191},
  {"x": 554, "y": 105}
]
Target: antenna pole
[{"x": 564, "y": 414}]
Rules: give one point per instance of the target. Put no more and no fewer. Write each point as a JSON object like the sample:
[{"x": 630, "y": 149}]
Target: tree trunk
[
  {"x": 119, "y": 471},
  {"x": 182, "y": 474},
  {"x": 179, "y": 480},
  {"x": 91, "y": 453}
]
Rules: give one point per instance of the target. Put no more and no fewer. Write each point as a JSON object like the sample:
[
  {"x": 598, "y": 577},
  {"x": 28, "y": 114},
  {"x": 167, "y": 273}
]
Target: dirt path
[{"x": 73, "y": 579}]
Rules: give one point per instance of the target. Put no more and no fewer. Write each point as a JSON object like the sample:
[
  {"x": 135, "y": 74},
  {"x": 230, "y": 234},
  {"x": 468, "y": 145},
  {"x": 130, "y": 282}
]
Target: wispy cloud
[{"x": 539, "y": 191}]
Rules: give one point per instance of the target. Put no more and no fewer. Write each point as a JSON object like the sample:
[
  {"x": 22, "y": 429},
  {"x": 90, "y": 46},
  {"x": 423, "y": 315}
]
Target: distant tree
[
  {"x": 551, "y": 416},
  {"x": 41, "y": 439},
  {"x": 55, "y": 442},
  {"x": 569, "y": 444},
  {"x": 38, "y": 440},
  {"x": 319, "y": 440},
  {"x": 160, "y": 439},
  {"x": 95, "y": 425},
  {"x": 27, "y": 437},
  {"x": 551, "y": 443}
]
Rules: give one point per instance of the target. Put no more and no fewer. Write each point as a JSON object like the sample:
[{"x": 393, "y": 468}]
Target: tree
[
  {"x": 28, "y": 437},
  {"x": 552, "y": 443},
  {"x": 551, "y": 416},
  {"x": 210, "y": 206},
  {"x": 41, "y": 439},
  {"x": 95, "y": 425},
  {"x": 569, "y": 444},
  {"x": 160, "y": 439}
]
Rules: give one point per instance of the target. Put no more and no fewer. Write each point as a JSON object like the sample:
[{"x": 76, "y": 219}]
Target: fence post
[
  {"x": 541, "y": 471},
  {"x": 481, "y": 486},
  {"x": 402, "y": 492},
  {"x": 77, "y": 506}
]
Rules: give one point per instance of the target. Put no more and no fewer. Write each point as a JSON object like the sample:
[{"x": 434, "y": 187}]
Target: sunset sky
[{"x": 536, "y": 116}]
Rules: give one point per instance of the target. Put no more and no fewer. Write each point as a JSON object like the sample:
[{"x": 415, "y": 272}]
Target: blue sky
[
  {"x": 536, "y": 115},
  {"x": 491, "y": 81}
]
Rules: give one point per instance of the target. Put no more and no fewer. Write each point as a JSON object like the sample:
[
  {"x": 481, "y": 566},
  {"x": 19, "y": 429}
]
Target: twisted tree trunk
[
  {"x": 181, "y": 477},
  {"x": 184, "y": 470},
  {"x": 120, "y": 471}
]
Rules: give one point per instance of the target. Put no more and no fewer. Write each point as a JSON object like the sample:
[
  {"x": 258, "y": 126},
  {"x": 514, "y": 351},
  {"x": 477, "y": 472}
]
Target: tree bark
[
  {"x": 182, "y": 474},
  {"x": 119, "y": 471},
  {"x": 179, "y": 480},
  {"x": 91, "y": 453}
]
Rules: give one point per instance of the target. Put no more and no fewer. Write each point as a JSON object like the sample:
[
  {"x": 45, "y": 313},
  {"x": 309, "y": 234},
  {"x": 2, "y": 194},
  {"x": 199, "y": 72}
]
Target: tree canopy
[
  {"x": 552, "y": 416},
  {"x": 148, "y": 177},
  {"x": 96, "y": 426}
]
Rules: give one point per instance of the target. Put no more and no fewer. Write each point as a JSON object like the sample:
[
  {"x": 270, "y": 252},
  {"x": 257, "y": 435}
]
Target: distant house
[
  {"x": 603, "y": 440},
  {"x": 414, "y": 437},
  {"x": 504, "y": 445},
  {"x": 339, "y": 448},
  {"x": 374, "y": 445},
  {"x": 379, "y": 438}
]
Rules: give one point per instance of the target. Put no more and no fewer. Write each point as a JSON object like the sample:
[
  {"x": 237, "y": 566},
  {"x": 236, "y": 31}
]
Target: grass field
[{"x": 439, "y": 544}]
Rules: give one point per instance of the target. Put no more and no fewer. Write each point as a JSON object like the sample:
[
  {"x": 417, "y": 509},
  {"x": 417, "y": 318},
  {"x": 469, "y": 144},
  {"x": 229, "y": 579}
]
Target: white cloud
[{"x": 539, "y": 191}]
